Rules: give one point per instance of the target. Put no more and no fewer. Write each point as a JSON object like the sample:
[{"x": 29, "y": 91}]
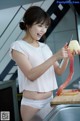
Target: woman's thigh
[
  {"x": 27, "y": 112},
  {"x": 45, "y": 111}
]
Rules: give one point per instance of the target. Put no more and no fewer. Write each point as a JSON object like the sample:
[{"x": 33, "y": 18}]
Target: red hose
[{"x": 71, "y": 67}]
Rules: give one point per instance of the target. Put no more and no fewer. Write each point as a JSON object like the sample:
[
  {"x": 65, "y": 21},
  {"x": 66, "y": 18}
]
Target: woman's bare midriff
[{"x": 36, "y": 95}]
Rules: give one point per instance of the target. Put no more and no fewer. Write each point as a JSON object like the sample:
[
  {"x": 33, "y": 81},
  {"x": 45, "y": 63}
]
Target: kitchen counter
[{"x": 67, "y": 97}]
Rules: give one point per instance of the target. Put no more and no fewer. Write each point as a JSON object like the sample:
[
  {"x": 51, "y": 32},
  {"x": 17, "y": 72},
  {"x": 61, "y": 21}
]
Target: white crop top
[{"x": 36, "y": 55}]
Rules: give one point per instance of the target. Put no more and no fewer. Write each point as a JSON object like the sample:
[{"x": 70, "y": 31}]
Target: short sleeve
[
  {"x": 48, "y": 48},
  {"x": 17, "y": 46}
]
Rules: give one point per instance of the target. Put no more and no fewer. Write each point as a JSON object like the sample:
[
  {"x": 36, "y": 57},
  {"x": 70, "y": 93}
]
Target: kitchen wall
[{"x": 10, "y": 31}]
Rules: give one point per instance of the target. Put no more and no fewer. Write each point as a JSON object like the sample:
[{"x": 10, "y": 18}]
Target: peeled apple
[{"x": 74, "y": 45}]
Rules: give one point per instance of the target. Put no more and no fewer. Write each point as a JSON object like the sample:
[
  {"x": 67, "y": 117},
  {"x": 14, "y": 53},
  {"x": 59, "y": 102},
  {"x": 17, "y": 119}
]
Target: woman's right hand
[{"x": 62, "y": 53}]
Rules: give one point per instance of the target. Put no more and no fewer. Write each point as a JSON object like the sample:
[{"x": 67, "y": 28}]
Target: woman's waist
[{"x": 36, "y": 95}]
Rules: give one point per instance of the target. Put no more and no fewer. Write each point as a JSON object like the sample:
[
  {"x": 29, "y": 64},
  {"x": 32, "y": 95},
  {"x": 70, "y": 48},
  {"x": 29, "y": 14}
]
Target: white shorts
[{"x": 36, "y": 103}]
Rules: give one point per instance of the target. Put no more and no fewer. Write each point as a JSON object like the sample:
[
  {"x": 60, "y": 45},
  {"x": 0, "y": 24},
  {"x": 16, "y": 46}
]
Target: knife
[{"x": 70, "y": 39}]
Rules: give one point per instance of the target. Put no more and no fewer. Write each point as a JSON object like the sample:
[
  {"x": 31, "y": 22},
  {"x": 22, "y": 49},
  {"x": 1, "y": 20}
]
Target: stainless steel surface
[
  {"x": 64, "y": 113},
  {"x": 77, "y": 85}
]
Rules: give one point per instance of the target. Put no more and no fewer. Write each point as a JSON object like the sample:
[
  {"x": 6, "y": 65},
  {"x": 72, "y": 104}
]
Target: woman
[{"x": 36, "y": 63}]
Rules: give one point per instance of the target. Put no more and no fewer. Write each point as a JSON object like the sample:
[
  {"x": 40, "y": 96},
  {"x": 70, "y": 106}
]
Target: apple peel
[
  {"x": 59, "y": 91},
  {"x": 73, "y": 46}
]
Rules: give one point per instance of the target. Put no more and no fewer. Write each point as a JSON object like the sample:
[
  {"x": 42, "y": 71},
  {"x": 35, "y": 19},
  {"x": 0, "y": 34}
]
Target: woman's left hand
[{"x": 74, "y": 52}]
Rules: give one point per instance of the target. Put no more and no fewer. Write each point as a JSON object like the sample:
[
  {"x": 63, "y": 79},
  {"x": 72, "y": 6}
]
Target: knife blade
[{"x": 70, "y": 39}]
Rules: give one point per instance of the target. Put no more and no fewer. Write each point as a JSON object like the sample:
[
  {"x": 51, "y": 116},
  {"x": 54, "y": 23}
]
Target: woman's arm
[
  {"x": 59, "y": 69},
  {"x": 26, "y": 67},
  {"x": 33, "y": 73}
]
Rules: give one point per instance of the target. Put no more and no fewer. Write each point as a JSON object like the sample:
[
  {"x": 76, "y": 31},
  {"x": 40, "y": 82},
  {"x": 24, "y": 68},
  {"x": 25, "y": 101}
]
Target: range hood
[{"x": 12, "y": 3}]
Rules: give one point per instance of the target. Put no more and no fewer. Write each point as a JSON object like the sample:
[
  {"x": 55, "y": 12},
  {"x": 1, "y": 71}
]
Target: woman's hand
[
  {"x": 76, "y": 52},
  {"x": 62, "y": 53}
]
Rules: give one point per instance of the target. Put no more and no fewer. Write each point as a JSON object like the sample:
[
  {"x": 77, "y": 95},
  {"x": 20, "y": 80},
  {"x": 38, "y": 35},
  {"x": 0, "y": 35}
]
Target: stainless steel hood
[{"x": 12, "y": 3}]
